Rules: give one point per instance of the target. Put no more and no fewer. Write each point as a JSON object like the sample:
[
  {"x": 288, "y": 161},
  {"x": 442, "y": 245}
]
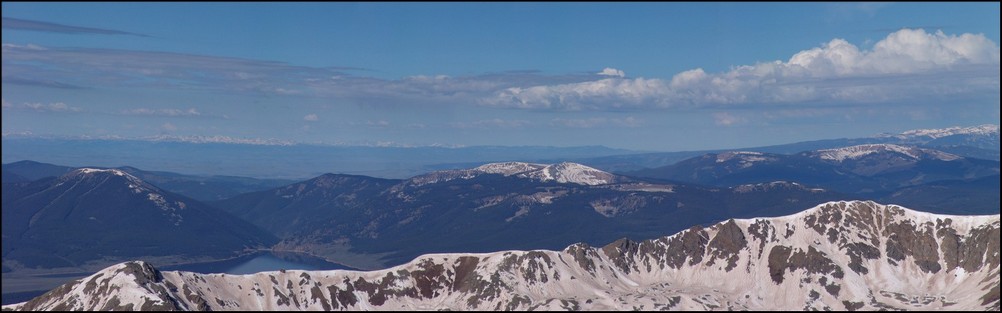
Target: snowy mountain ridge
[
  {"x": 860, "y": 151},
  {"x": 136, "y": 184},
  {"x": 848, "y": 255},
  {"x": 566, "y": 172},
  {"x": 981, "y": 130}
]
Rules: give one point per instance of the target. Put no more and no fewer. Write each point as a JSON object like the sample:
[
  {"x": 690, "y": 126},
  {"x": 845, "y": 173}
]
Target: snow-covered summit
[
  {"x": 745, "y": 156},
  {"x": 116, "y": 172},
  {"x": 565, "y": 172},
  {"x": 981, "y": 130},
  {"x": 573, "y": 173},
  {"x": 98, "y": 178},
  {"x": 888, "y": 214},
  {"x": 136, "y": 184},
  {"x": 508, "y": 168},
  {"x": 860, "y": 151}
]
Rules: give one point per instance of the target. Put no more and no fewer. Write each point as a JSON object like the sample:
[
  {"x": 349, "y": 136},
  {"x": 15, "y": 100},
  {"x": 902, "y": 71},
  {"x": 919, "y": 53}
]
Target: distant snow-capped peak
[
  {"x": 134, "y": 182},
  {"x": 859, "y": 151},
  {"x": 981, "y": 130},
  {"x": 565, "y": 172},
  {"x": 509, "y": 168},
  {"x": 746, "y": 188},
  {"x": 742, "y": 155},
  {"x": 573, "y": 173},
  {"x": 138, "y": 186},
  {"x": 744, "y": 159}
]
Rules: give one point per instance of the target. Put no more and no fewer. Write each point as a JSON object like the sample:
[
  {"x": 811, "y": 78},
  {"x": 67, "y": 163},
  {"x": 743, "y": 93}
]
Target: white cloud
[
  {"x": 609, "y": 93},
  {"x": 608, "y": 71},
  {"x": 55, "y": 107},
  {"x": 168, "y": 127},
  {"x": 907, "y": 64},
  {"x": 311, "y": 118}
]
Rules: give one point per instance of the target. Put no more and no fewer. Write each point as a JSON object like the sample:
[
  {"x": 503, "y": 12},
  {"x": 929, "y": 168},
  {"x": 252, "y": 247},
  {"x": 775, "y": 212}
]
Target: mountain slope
[
  {"x": 286, "y": 209},
  {"x": 499, "y": 206},
  {"x": 99, "y": 214},
  {"x": 957, "y": 196},
  {"x": 35, "y": 170},
  {"x": 836, "y": 256},
  {"x": 202, "y": 188},
  {"x": 564, "y": 172},
  {"x": 862, "y": 169},
  {"x": 979, "y": 142},
  {"x": 746, "y": 167},
  {"x": 9, "y": 177}
]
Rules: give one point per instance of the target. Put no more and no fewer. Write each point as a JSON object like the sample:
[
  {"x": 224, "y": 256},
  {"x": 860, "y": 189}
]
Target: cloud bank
[
  {"x": 908, "y": 66},
  {"x": 55, "y": 107}
]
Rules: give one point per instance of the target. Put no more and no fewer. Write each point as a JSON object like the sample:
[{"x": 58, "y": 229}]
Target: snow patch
[
  {"x": 860, "y": 151},
  {"x": 597, "y": 279},
  {"x": 747, "y": 156},
  {"x": 565, "y": 172},
  {"x": 982, "y": 130}
]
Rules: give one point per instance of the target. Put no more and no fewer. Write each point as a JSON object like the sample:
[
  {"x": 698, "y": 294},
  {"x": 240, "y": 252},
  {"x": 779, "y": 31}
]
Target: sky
[{"x": 640, "y": 76}]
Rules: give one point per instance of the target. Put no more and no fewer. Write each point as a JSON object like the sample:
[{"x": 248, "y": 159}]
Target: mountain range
[
  {"x": 871, "y": 169},
  {"x": 88, "y": 215},
  {"x": 836, "y": 256},
  {"x": 58, "y": 219},
  {"x": 368, "y": 222},
  {"x": 978, "y": 142},
  {"x": 204, "y": 188},
  {"x": 498, "y": 206},
  {"x": 297, "y": 161}
]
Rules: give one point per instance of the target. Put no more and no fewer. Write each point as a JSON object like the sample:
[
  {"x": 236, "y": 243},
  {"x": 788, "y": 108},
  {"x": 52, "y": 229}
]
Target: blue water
[{"x": 248, "y": 264}]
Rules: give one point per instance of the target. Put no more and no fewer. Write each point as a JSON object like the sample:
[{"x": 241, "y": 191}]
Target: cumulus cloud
[
  {"x": 907, "y": 64},
  {"x": 608, "y": 71},
  {"x": 311, "y": 118}
]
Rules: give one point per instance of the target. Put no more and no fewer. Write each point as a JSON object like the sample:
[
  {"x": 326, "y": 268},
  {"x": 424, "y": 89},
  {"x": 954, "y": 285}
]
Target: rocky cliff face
[{"x": 837, "y": 256}]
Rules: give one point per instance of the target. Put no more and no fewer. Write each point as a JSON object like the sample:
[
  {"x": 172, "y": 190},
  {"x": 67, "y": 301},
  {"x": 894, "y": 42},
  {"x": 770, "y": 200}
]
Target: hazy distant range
[{"x": 278, "y": 161}]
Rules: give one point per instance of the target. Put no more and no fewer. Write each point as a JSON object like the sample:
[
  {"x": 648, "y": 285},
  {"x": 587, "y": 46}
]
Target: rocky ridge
[{"x": 851, "y": 255}]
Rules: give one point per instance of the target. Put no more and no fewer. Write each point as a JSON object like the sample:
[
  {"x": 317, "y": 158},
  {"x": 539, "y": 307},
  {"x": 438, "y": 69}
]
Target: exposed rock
[{"x": 806, "y": 269}]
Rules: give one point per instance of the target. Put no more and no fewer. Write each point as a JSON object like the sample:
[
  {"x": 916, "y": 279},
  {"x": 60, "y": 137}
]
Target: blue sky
[{"x": 645, "y": 76}]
